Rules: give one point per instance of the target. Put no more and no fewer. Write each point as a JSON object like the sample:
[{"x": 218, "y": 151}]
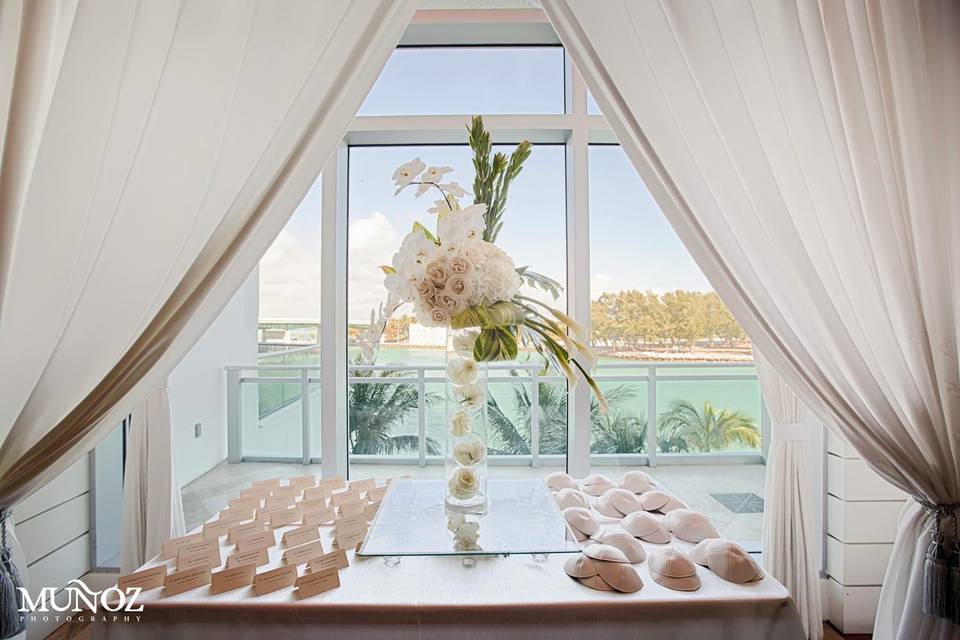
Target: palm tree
[
  {"x": 618, "y": 432},
  {"x": 709, "y": 429},
  {"x": 376, "y": 409}
]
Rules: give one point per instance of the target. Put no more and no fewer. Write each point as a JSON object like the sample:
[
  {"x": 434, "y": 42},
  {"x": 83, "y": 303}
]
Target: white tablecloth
[{"x": 438, "y": 597}]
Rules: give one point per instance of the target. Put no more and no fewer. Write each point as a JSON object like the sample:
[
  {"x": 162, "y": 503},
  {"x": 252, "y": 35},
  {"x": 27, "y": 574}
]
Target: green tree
[
  {"x": 618, "y": 432},
  {"x": 375, "y": 409},
  {"x": 709, "y": 428}
]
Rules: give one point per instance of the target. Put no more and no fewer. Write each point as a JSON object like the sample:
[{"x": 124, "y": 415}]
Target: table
[{"x": 437, "y": 597}]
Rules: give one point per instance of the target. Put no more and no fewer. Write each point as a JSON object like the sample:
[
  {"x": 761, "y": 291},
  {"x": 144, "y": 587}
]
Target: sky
[{"x": 632, "y": 245}]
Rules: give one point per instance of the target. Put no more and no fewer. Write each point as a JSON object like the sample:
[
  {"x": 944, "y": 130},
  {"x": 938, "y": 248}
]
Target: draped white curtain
[
  {"x": 807, "y": 155},
  {"x": 152, "y": 508},
  {"x": 789, "y": 540}
]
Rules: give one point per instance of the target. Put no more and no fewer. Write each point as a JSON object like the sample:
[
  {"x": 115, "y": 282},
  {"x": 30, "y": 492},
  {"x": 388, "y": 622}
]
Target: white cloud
[
  {"x": 602, "y": 279},
  {"x": 290, "y": 279},
  {"x": 372, "y": 242}
]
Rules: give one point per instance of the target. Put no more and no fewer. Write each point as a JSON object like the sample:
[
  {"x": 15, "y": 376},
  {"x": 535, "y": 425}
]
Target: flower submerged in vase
[
  {"x": 461, "y": 423},
  {"x": 470, "y": 452},
  {"x": 462, "y": 370},
  {"x": 470, "y": 396},
  {"x": 464, "y": 483}
]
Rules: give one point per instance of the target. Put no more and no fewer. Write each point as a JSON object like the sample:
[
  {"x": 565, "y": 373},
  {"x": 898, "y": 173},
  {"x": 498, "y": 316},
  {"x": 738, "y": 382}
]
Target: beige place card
[
  {"x": 238, "y": 531},
  {"x": 269, "y": 483},
  {"x": 332, "y": 483},
  {"x": 275, "y": 579},
  {"x": 338, "y": 499},
  {"x": 285, "y": 491},
  {"x": 286, "y": 517},
  {"x": 336, "y": 559},
  {"x": 259, "y": 494},
  {"x": 232, "y": 578},
  {"x": 195, "y": 561},
  {"x": 303, "y": 554},
  {"x": 208, "y": 548},
  {"x": 217, "y": 528},
  {"x": 363, "y": 485},
  {"x": 302, "y": 482},
  {"x": 236, "y": 515},
  {"x": 252, "y": 502},
  {"x": 168, "y": 549},
  {"x": 300, "y": 535},
  {"x": 282, "y": 500},
  {"x": 146, "y": 579},
  {"x": 264, "y": 513},
  {"x": 376, "y": 495},
  {"x": 257, "y": 558},
  {"x": 317, "y": 582},
  {"x": 350, "y": 540},
  {"x": 182, "y": 581},
  {"x": 316, "y": 493},
  {"x": 319, "y": 516},
  {"x": 313, "y": 505},
  {"x": 371, "y": 510},
  {"x": 351, "y": 509},
  {"x": 349, "y": 524},
  {"x": 253, "y": 541}
]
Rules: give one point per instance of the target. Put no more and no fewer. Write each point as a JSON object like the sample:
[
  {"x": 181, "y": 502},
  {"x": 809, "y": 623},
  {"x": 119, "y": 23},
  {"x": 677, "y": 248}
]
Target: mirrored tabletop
[{"x": 521, "y": 518}]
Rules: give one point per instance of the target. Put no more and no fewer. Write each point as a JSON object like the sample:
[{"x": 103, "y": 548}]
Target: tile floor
[{"x": 693, "y": 484}]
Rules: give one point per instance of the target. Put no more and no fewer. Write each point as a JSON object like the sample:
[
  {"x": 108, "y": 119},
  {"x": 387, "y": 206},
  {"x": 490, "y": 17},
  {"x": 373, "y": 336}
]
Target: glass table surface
[{"x": 521, "y": 518}]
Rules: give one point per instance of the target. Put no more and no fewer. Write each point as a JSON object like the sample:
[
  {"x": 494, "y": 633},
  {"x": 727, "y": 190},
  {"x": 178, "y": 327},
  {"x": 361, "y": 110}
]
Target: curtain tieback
[
  {"x": 789, "y": 431},
  {"x": 12, "y": 621},
  {"x": 941, "y": 569}
]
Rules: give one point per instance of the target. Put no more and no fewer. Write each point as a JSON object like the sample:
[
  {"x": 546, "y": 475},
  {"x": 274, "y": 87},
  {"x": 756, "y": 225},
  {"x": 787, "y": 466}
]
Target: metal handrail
[{"x": 420, "y": 378}]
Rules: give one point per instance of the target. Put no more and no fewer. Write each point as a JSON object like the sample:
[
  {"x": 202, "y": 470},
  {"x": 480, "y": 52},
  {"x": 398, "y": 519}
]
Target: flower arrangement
[{"x": 458, "y": 278}]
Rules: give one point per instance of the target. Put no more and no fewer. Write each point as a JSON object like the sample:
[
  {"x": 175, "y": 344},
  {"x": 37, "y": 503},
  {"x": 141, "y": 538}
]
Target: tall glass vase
[{"x": 466, "y": 442}]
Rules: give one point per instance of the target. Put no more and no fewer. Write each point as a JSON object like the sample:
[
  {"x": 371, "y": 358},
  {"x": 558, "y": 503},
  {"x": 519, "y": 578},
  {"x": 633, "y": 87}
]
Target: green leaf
[
  {"x": 426, "y": 232},
  {"x": 387, "y": 269},
  {"x": 495, "y": 343},
  {"x": 499, "y": 314}
]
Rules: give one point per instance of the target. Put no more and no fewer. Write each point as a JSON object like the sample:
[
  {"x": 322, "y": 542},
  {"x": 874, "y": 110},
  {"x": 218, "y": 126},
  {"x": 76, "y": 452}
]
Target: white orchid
[
  {"x": 418, "y": 245},
  {"x": 435, "y": 174},
  {"x": 407, "y": 173},
  {"x": 453, "y": 189},
  {"x": 440, "y": 207},
  {"x": 461, "y": 226}
]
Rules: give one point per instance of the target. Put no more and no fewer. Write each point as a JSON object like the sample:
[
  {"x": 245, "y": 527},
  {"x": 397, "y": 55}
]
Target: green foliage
[
  {"x": 539, "y": 281},
  {"x": 709, "y": 429},
  {"x": 492, "y": 178},
  {"x": 376, "y": 409}
]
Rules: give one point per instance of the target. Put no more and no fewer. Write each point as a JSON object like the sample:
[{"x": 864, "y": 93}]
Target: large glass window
[
  {"x": 468, "y": 80},
  {"x": 534, "y": 233}
]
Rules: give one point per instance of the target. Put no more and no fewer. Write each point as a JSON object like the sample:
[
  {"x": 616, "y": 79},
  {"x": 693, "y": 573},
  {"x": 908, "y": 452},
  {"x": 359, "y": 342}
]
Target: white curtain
[
  {"x": 152, "y": 508},
  {"x": 789, "y": 540},
  {"x": 807, "y": 155}
]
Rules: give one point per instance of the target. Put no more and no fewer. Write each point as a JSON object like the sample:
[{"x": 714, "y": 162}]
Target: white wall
[{"x": 197, "y": 385}]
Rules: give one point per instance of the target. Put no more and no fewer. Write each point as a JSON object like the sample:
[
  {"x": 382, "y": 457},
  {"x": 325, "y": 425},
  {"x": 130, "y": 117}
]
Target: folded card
[
  {"x": 319, "y": 516},
  {"x": 275, "y": 579},
  {"x": 260, "y": 540},
  {"x": 238, "y": 531},
  {"x": 286, "y": 517},
  {"x": 232, "y": 578},
  {"x": 217, "y": 528},
  {"x": 300, "y": 535},
  {"x": 147, "y": 579},
  {"x": 257, "y": 557},
  {"x": 351, "y": 508},
  {"x": 182, "y": 581},
  {"x": 168, "y": 548},
  {"x": 303, "y": 554},
  {"x": 363, "y": 485},
  {"x": 268, "y": 483},
  {"x": 332, "y": 483},
  {"x": 210, "y": 549},
  {"x": 336, "y": 559},
  {"x": 313, "y": 583},
  {"x": 316, "y": 493}
]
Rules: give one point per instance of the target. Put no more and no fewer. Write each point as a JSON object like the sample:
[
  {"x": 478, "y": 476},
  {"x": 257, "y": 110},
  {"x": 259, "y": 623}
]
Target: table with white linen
[{"x": 438, "y": 597}]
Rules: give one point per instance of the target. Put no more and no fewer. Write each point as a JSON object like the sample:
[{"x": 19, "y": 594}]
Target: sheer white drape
[
  {"x": 806, "y": 154},
  {"x": 789, "y": 541},
  {"x": 152, "y": 508}
]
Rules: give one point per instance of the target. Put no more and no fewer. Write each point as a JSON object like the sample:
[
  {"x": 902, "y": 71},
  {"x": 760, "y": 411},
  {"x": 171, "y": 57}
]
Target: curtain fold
[
  {"x": 789, "y": 541},
  {"x": 152, "y": 506},
  {"x": 806, "y": 154}
]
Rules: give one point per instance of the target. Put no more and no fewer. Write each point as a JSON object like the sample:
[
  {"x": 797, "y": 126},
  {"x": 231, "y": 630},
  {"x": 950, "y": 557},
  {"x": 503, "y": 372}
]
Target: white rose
[
  {"x": 464, "y": 483},
  {"x": 462, "y": 370},
  {"x": 461, "y": 423},
  {"x": 470, "y": 396},
  {"x": 470, "y": 452},
  {"x": 463, "y": 343}
]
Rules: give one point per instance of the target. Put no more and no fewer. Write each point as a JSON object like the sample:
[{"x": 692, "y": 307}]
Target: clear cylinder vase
[{"x": 465, "y": 488}]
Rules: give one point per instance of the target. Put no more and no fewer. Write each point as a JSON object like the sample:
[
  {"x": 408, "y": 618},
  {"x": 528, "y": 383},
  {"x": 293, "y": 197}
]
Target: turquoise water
[{"x": 733, "y": 395}]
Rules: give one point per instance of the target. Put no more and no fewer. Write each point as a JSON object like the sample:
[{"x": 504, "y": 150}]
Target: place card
[
  {"x": 286, "y": 517},
  {"x": 376, "y": 495},
  {"x": 302, "y": 482},
  {"x": 371, "y": 510},
  {"x": 285, "y": 491},
  {"x": 238, "y": 531},
  {"x": 338, "y": 499},
  {"x": 336, "y": 559},
  {"x": 215, "y": 529},
  {"x": 303, "y": 554},
  {"x": 313, "y": 505},
  {"x": 363, "y": 485},
  {"x": 300, "y": 535},
  {"x": 253, "y": 541},
  {"x": 168, "y": 548},
  {"x": 236, "y": 515},
  {"x": 259, "y": 494},
  {"x": 351, "y": 508},
  {"x": 274, "y": 579},
  {"x": 269, "y": 483},
  {"x": 280, "y": 500},
  {"x": 182, "y": 581},
  {"x": 316, "y": 493},
  {"x": 349, "y": 524},
  {"x": 319, "y": 516},
  {"x": 208, "y": 548},
  {"x": 257, "y": 558},
  {"x": 332, "y": 483},
  {"x": 350, "y": 540},
  {"x": 232, "y": 578},
  {"x": 314, "y": 583},
  {"x": 251, "y": 502},
  {"x": 195, "y": 561},
  {"x": 146, "y": 579},
  {"x": 264, "y": 513}
]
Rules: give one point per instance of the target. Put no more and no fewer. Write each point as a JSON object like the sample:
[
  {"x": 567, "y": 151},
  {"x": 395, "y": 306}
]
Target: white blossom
[
  {"x": 470, "y": 452},
  {"x": 407, "y": 172},
  {"x": 470, "y": 396},
  {"x": 464, "y": 483},
  {"x": 460, "y": 423},
  {"x": 462, "y": 370}
]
